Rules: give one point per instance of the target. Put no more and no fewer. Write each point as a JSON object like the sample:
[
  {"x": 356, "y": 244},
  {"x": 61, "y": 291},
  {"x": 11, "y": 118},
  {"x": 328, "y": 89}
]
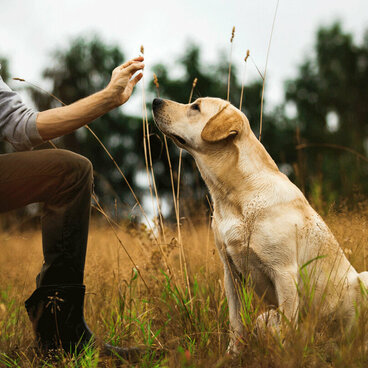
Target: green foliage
[
  {"x": 331, "y": 84},
  {"x": 85, "y": 67},
  {"x": 249, "y": 308},
  {"x": 333, "y": 80}
]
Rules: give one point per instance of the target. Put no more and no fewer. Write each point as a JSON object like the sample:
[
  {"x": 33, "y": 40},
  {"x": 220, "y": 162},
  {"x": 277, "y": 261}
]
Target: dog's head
[{"x": 204, "y": 124}]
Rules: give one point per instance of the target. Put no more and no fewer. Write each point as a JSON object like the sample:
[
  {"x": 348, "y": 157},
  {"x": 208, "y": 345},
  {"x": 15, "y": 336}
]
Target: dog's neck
[{"x": 233, "y": 176}]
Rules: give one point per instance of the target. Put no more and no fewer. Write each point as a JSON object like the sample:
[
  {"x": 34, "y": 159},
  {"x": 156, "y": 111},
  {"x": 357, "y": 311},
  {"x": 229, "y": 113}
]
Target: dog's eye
[{"x": 195, "y": 107}]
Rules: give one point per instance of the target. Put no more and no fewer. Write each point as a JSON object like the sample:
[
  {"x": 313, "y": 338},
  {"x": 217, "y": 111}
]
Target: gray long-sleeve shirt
[{"x": 17, "y": 121}]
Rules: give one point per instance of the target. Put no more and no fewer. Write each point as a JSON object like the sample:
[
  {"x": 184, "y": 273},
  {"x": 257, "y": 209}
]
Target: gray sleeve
[{"x": 17, "y": 121}]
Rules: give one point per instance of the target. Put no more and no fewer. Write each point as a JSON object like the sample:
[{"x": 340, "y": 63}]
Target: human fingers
[
  {"x": 136, "y": 79},
  {"x": 129, "y": 62},
  {"x": 139, "y": 58},
  {"x": 134, "y": 67}
]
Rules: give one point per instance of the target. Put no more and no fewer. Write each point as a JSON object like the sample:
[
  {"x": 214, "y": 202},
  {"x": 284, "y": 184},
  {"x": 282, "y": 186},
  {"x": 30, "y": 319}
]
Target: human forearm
[{"x": 63, "y": 120}]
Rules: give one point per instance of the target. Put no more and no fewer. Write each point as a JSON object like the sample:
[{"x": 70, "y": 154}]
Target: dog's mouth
[{"x": 179, "y": 139}]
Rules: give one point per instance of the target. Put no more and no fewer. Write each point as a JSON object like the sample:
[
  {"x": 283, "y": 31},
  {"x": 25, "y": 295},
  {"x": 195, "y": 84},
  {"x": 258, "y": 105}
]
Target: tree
[
  {"x": 331, "y": 98},
  {"x": 319, "y": 94},
  {"x": 85, "y": 67}
]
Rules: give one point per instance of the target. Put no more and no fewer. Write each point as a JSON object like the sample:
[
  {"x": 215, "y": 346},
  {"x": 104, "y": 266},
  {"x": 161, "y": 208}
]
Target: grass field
[{"x": 182, "y": 328}]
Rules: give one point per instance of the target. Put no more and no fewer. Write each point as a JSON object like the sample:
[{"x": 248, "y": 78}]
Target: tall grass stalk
[
  {"x": 194, "y": 84},
  {"x": 208, "y": 241},
  {"x": 256, "y": 66},
  {"x": 230, "y": 56},
  {"x": 177, "y": 199},
  {"x": 265, "y": 71},
  {"x": 300, "y": 160},
  {"x": 243, "y": 79},
  {"x": 149, "y": 168},
  {"x": 122, "y": 244},
  {"x": 157, "y": 85},
  {"x": 182, "y": 257},
  {"x": 302, "y": 146}
]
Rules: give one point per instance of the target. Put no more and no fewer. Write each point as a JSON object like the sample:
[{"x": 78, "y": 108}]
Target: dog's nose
[{"x": 157, "y": 102}]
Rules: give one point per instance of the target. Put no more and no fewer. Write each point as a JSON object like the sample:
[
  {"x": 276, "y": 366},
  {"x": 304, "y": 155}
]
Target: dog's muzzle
[{"x": 157, "y": 103}]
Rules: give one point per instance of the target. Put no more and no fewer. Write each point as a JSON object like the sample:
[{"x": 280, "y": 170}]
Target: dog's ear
[{"x": 224, "y": 124}]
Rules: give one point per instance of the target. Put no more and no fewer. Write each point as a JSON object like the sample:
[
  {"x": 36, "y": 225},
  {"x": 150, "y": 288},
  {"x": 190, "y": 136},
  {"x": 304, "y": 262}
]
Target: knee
[
  {"x": 78, "y": 168},
  {"x": 82, "y": 166}
]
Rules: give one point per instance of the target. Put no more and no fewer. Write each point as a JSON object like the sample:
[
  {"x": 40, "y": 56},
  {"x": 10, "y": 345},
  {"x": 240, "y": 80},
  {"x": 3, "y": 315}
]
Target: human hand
[{"x": 121, "y": 85}]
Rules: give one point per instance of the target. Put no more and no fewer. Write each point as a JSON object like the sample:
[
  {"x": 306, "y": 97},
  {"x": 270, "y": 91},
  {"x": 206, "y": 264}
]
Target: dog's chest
[
  {"x": 230, "y": 231},
  {"x": 234, "y": 229},
  {"x": 233, "y": 234}
]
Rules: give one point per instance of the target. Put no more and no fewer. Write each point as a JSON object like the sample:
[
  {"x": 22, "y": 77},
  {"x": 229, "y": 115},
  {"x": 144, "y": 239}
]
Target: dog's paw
[
  {"x": 235, "y": 345},
  {"x": 268, "y": 322},
  {"x": 232, "y": 348}
]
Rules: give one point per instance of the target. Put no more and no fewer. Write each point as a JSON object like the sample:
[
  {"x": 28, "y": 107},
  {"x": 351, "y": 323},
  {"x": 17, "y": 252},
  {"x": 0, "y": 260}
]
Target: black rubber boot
[{"x": 56, "y": 313}]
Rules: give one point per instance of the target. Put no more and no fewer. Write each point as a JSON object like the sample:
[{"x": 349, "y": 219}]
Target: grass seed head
[
  {"x": 142, "y": 49},
  {"x": 195, "y": 82},
  {"x": 247, "y": 56},
  {"x": 232, "y": 34},
  {"x": 155, "y": 80}
]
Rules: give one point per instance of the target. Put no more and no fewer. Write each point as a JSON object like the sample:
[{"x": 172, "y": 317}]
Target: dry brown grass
[{"x": 193, "y": 331}]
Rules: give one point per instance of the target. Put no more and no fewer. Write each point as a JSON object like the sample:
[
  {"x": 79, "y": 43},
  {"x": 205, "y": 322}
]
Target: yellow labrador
[{"x": 263, "y": 225}]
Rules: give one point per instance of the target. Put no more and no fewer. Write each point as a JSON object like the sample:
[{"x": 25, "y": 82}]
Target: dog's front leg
[
  {"x": 232, "y": 289},
  {"x": 287, "y": 294},
  {"x": 232, "y": 282}
]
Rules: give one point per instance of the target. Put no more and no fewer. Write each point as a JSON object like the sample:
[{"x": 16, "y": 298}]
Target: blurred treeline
[{"x": 314, "y": 136}]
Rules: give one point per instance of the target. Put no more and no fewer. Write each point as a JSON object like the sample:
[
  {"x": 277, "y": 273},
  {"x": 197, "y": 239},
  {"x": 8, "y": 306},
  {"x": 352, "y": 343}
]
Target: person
[{"x": 62, "y": 181}]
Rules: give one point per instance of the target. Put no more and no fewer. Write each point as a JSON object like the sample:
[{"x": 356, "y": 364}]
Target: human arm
[
  {"x": 17, "y": 121},
  {"x": 63, "y": 120}
]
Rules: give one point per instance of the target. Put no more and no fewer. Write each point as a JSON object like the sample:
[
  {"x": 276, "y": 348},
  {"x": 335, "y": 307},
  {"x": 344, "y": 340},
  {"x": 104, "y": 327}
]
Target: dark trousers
[{"x": 62, "y": 181}]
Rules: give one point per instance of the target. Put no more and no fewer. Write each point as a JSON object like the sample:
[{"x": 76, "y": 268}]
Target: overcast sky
[{"x": 30, "y": 30}]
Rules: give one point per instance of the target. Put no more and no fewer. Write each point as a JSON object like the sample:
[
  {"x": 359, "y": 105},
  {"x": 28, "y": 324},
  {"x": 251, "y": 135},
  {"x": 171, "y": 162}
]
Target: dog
[{"x": 264, "y": 228}]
